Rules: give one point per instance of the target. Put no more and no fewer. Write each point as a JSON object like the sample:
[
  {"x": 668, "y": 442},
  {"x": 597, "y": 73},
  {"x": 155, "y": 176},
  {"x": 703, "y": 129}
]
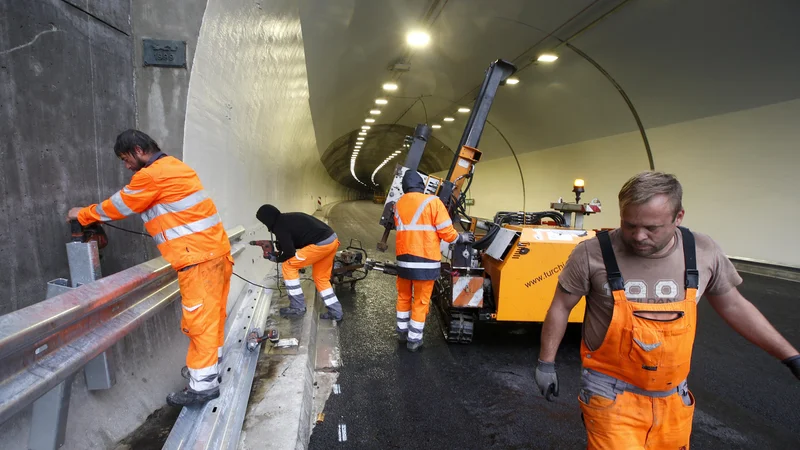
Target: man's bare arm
[
  {"x": 555, "y": 323},
  {"x": 748, "y": 321}
]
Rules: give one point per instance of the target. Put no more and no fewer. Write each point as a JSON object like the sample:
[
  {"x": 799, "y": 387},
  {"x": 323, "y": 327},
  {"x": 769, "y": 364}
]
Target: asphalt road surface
[{"x": 482, "y": 395}]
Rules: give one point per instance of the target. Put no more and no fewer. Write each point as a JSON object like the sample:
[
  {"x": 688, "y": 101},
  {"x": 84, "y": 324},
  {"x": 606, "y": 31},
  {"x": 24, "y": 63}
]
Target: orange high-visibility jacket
[
  {"x": 422, "y": 222},
  {"x": 175, "y": 209}
]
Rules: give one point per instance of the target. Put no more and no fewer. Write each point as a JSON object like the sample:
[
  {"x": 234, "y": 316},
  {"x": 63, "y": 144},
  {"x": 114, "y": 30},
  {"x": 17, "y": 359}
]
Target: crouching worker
[
  {"x": 184, "y": 222},
  {"x": 422, "y": 222},
  {"x": 303, "y": 240}
]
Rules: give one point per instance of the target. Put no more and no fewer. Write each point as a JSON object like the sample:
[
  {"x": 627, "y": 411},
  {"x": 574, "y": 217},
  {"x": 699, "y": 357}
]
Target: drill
[{"x": 267, "y": 246}]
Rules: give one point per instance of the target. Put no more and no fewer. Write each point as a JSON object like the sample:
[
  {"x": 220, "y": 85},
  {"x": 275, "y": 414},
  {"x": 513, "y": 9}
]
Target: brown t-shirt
[{"x": 654, "y": 279}]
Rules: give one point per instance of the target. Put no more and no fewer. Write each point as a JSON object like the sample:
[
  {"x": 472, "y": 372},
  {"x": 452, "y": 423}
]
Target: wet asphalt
[{"x": 482, "y": 395}]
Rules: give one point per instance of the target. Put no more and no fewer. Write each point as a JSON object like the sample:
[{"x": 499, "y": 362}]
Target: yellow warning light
[{"x": 578, "y": 183}]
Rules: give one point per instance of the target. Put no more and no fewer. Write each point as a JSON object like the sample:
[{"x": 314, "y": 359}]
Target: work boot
[
  {"x": 185, "y": 373},
  {"x": 190, "y": 397},
  {"x": 413, "y": 346},
  {"x": 329, "y": 316},
  {"x": 292, "y": 312},
  {"x": 402, "y": 337}
]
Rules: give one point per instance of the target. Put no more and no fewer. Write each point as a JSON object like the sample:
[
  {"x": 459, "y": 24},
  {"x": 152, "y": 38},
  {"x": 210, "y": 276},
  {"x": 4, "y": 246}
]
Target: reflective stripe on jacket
[
  {"x": 175, "y": 209},
  {"x": 422, "y": 222}
]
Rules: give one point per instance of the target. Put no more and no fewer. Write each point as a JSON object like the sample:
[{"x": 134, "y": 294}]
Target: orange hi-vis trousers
[
  {"x": 320, "y": 258},
  {"x": 204, "y": 298},
  {"x": 411, "y": 317}
]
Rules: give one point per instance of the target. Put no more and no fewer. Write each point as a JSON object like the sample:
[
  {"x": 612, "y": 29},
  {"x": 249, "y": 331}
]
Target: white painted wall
[
  {"x": 737, "y": 172},
  {"x": 249, "y": 133}
]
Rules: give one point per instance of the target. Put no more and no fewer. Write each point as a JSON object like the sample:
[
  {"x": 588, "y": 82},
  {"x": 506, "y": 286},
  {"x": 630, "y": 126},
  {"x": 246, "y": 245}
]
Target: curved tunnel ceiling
[{"x": 677, "y": 60}]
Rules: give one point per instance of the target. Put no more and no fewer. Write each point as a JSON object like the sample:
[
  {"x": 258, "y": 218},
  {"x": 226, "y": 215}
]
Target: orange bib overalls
[{"x": 634, "y": 393}]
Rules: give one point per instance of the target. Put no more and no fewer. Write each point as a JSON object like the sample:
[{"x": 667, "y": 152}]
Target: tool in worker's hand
[
  {"x": 92, "y": 232},
  {"x": 253, "y": 339},
  {"x": 268, "y": 247}
]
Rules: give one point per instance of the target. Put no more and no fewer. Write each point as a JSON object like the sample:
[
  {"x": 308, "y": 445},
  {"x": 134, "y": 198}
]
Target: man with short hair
[
  {"x": 422, "y": 222},
  {"x": 303, "y": 240},
  {"x": 189, "y": 233},
  {"x": 642, "y": 283}
]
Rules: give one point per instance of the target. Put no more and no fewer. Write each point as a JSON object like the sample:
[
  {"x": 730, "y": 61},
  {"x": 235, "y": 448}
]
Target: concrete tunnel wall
[{"x": 737, "y": 172}]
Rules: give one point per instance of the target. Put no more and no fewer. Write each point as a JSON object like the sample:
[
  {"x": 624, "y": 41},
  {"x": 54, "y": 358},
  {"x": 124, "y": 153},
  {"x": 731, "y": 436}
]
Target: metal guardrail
[
  {"x": 217, "y": 424},
  {"x": 43, "y": 346}
]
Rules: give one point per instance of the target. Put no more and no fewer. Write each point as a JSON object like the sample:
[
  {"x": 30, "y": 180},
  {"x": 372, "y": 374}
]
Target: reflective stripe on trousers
[
  {"x": 296, "y": 298},
  {"x": 413, "y": 304},
  {"x": 402, "y": 321}
]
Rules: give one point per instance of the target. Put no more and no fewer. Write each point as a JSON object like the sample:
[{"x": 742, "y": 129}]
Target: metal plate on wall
[{"x": 163, "y": 53}]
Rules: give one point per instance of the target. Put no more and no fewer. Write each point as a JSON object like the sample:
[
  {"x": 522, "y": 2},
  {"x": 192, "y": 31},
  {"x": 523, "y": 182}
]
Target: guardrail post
[
  {"x": 84, "y": 267},
  {"x": 49, "y": 421}
]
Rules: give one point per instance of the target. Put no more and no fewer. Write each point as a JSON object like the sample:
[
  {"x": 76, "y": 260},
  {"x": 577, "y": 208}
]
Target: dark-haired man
[{"x": 189, "y": 233}]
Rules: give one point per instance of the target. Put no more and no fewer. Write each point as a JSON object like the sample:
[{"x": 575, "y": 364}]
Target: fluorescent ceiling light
[
  {"x": 463, "y": 110},
  {"x": 448, "y": 119},
  {"x": 418, "y": 38},
  {"x": 381, "y": 101},
  {"x": 389, "y": 86},
  {"x": 512, "y": 80},
  {"x": 375, "y": 112},
  {"x": 365, "y": 127},
  {"x": 436, "y": 126},
  {"x": 360, "y": 139},
  {"x": 547, "y": 57},
  {"x": 369, "y": 120}
]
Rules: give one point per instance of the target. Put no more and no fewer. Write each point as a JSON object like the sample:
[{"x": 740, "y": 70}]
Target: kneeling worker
[
  {"x": 303, "y": 240},
  {"x": 422, "y": 222}
]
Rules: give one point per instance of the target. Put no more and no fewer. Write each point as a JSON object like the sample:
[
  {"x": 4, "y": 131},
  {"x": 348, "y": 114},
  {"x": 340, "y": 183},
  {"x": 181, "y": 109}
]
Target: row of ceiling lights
[{"x": 414, "y": 39}]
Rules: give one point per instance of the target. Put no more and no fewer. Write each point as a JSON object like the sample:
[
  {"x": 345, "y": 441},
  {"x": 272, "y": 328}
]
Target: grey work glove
[
  {"x": 546, "y": 379},
  {"x": 793, "y": 364},
  {"x": 272, "y": 257},
  {"x": 464, "y": 238}
]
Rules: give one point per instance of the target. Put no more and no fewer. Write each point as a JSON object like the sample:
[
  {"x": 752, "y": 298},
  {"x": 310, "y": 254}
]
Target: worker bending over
[
  {"x": 303, "y": 240},
  {"x": 422, "y": 222},
  {"x": 184, "y": 222},
  {"x": 642, "y": 283}
]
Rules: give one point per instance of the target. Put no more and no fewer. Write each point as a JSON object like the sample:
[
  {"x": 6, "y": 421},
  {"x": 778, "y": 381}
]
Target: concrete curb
[{"x": 281, "y": 401}]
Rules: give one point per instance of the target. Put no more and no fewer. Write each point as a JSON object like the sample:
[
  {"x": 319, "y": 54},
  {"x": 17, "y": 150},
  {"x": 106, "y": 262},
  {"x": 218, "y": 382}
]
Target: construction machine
[{"x": 510, "y": 273}]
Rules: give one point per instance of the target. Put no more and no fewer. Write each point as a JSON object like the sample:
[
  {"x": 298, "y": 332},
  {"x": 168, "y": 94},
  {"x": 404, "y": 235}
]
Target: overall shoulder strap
[
  {"x": 615, "y": 280},
  {"x": 690, "y": 259}
]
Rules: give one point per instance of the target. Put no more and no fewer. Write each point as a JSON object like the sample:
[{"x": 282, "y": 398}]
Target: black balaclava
[
  {"x": 268, "y": 215},
  {"x": 412, "y": 182}
]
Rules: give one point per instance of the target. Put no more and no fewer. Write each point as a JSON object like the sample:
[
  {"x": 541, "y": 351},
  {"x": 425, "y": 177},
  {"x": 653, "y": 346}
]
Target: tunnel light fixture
[
  {"x": 512, "y": 80},
  {"x": 369, "y": 120},
  {"x": 381, "y": 101},
  {"x": 448, "y": 119},
  {"x": 463, "y": 110},
  {"x": 547, "y": 57},
  {"x": 363, "y": 133},
  {"x": 359, "y": 138},
  {"x": 365, "y": 127},
  {"x": 390, "y": 86},
  {"x": 375, "y": 112},
  {"x": 418, "y": 38},
  {"x": 436, "y": 126}
]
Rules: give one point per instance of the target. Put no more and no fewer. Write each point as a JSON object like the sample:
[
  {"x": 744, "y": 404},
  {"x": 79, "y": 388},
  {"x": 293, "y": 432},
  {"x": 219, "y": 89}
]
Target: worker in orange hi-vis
[
  {"x": 189, "y": 233},
  {"x": 642, "y": 283},
  {"x": 422, "y": 222}
]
